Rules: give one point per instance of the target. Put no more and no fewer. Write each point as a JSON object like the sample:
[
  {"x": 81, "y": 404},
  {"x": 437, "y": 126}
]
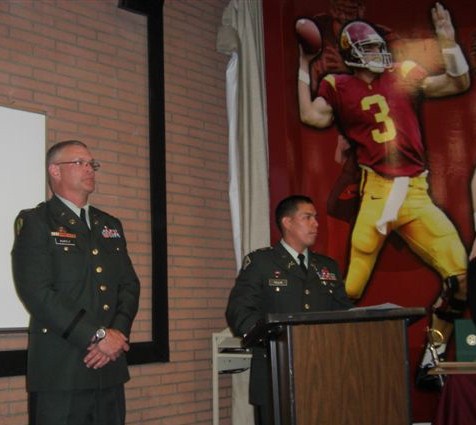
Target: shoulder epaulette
[
  {"x": 26, "y": 211},
  {"x": 267, "y": 248},
  {"x": 247, "y": 260}
]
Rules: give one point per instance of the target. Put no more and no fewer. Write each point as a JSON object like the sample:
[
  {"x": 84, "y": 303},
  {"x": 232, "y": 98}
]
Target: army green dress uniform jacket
[
  {"x": 72, "y": 281},
  {"x": 270, "y": 281}
]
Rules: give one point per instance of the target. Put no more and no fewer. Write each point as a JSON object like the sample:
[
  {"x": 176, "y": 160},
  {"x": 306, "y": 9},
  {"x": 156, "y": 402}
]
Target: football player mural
[
  {"x": 374, "y": 107},
  {"x": 319, "y": 38},
  {"x": 380, "y": 98}
]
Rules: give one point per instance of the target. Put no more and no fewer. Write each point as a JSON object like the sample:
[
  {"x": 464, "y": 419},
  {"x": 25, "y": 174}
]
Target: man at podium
[{"x": 285, "y": 278}]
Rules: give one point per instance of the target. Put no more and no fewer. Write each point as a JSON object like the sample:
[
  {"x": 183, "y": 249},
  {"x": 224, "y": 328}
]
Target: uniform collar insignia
[{"x": 291, "y": 264}]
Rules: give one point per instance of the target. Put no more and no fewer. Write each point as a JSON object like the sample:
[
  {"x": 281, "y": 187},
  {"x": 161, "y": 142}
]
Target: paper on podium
[{"x": 384, "y": 306}]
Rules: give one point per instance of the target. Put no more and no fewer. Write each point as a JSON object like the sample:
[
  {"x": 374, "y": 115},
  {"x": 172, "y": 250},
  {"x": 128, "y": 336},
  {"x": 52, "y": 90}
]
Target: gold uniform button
[
  {"x": 307, "y": 306},
  {"x": 307, "y": 291},
  {"x": 277, "y": 289},
  {"x": 98, "y": 269},
  {"x": 103, "y": 288},
  {"x": 330, "y": 291},
  {"x": 95, "y": 251},
  {"x": 66, "y": 248},
  {"x": 105, "y": 307},
  {"x": 44, "y": 330}
]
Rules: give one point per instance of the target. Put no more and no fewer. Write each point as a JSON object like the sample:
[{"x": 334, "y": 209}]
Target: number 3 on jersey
[{"x": 382, "y": 116}]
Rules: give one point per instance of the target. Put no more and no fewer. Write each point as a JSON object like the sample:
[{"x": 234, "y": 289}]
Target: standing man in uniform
[
  {"x": 375, "y": 107},
  {"x": 286, "y": 278},
  {"x": 74, "y": 275}
]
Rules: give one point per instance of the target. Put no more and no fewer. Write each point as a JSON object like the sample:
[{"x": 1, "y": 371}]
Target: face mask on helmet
[{"x": 362, "y": 47}]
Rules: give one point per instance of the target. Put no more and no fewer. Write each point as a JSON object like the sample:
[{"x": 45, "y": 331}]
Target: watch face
[{"x": 100, "y": 333}]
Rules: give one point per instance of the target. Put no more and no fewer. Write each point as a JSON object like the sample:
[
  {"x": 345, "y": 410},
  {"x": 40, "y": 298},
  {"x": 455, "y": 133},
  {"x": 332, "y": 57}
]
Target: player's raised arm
[
  {"x": 456, "y": 78},
  {"x": 316, "y": 113}
]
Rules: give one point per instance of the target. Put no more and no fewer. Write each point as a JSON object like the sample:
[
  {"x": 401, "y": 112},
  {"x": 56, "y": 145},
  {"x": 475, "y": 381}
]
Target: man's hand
[
  {"x": 305, "y": 59},
  {"x": 443, "y": 27},
  {"x": 96, "y": 359},
  {"x": 106, "y": 350},
  {"x": 113, "y": 344},
  {"x": 341, "y": 154}
]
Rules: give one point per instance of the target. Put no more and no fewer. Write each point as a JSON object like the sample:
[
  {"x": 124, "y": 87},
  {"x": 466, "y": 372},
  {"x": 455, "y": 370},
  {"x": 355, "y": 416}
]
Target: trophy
[{"x": 435, "y": 339}]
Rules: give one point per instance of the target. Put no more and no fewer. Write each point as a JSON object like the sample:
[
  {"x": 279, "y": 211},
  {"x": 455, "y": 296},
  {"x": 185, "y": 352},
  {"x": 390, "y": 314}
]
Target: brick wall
[{"x": 83, "y": 64}]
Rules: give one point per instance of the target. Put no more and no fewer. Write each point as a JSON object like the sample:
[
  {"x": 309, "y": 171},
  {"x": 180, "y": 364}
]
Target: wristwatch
[{"x": 99, "y": 335}]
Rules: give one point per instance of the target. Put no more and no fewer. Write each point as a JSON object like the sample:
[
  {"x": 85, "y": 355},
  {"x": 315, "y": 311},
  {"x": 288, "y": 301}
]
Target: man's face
[
  {"x": 70, "y": 178},
  {"x": 372, "y": 52},
  {"x": 300, "y": 229},
  {"x": 376, "y": 61}
]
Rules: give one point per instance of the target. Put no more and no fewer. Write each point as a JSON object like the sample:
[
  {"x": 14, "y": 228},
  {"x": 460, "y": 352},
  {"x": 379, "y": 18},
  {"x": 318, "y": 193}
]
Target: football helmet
[{"x": 362, "y": 46}]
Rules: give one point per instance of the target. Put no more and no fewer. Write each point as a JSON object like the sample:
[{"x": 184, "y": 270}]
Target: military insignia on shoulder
[
  {"x": 246, "y": 262},
  {"x": 18, "y": 225},
  {"x": 247, "y": 259}
]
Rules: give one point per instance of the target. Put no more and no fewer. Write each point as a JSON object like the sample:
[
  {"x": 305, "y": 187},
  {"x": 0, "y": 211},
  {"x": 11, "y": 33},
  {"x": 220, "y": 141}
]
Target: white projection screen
[{"x": 23, "y": 182}]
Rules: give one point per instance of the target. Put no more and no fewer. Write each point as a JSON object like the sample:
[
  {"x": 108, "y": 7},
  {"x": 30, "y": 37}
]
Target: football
[{"x": 309, "y": 36}]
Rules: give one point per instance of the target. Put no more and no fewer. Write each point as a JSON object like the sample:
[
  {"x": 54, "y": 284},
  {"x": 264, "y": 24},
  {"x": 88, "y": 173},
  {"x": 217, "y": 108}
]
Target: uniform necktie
[
  {"x": 82, "y": 216},
  {"x": 301, "y": 258}
]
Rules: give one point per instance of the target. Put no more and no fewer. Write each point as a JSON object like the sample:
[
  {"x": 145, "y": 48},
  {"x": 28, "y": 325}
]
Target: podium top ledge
[
  {"x": 360, "y": 314},
  {"x": 353, "y": 315}
]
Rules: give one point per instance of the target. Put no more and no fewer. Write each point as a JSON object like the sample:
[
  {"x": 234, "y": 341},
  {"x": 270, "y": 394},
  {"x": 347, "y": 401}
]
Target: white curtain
[{"x": 241, "y": 36}]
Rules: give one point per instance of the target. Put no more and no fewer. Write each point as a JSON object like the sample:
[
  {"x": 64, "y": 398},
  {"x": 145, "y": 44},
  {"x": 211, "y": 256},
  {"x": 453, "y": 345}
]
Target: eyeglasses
[{"x": 95, "y": 165}]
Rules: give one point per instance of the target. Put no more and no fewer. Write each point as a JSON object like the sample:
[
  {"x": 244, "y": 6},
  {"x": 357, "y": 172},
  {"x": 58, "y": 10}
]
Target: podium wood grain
[{"x": 358, "y": 374}]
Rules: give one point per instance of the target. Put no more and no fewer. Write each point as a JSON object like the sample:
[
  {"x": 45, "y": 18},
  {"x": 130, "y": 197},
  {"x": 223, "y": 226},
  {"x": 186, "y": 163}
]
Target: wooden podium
[{"x": 339, "y": 368}]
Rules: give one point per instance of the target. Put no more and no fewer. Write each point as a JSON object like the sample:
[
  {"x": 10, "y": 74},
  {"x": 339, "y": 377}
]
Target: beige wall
[{"x": 83, "y": 64}]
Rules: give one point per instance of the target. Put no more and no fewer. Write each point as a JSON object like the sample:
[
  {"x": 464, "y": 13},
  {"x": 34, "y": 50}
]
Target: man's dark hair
[
  {"x": 51, "y": 154},
  {"x": 288, "y": 206}
]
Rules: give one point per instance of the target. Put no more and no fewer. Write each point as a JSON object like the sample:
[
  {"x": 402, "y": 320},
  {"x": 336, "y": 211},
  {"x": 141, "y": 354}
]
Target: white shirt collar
[
  {"x": 294, "y": 253},
  {"x": 74, "y": 207}
]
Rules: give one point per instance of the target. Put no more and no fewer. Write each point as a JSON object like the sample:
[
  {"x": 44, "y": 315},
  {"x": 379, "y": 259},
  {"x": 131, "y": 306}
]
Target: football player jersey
[{"x": 380, "y": 117}]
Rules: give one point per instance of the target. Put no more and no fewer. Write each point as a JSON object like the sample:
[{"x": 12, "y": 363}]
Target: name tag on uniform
[
  {"x": 64, "y": 238},
  {"x": 277, "y": 282}
]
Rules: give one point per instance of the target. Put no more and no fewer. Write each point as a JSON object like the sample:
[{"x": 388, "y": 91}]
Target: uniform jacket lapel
[
  {"x": 95, "y": 220},
  {"x": 64, "y": 216},
  {"x": 313, "y": 264},
  {"x": 287, "y": 262}
]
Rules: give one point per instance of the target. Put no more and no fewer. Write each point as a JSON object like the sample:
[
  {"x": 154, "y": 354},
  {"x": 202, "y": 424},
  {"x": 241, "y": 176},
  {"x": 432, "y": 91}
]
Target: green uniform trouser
[{"x": 78, "y": 407}]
